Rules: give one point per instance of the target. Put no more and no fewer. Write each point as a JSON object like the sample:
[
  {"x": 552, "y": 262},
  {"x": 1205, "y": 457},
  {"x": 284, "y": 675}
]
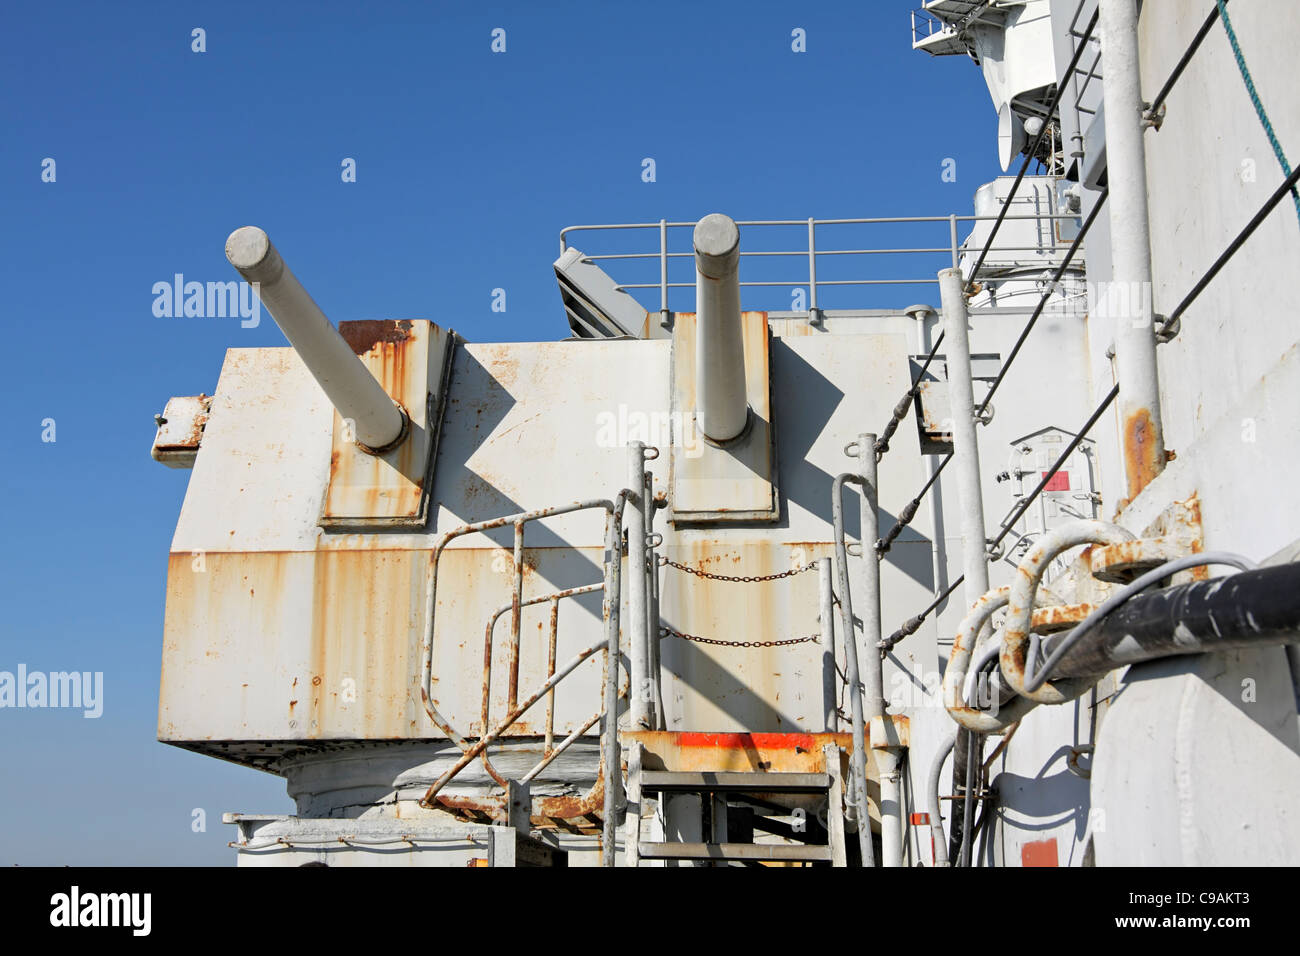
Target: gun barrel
[
  {"x": 722, "y": 409},
  {"x": 358, "y": 396}
]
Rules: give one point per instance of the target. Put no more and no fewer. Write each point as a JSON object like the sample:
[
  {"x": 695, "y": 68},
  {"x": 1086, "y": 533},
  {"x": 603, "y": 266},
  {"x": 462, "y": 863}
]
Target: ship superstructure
[{"x": 1004, "y": 577}]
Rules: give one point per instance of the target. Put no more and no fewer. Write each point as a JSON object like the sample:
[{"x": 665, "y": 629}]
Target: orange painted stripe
[
  {"x": 920, "y": 819},
  {"x": 765, "y": 741},
  {"x": 1039, "y": 853}
]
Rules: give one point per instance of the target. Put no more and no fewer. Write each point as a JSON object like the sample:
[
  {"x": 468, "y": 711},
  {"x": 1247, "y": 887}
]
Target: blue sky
[{"x": 468, "y": 165}]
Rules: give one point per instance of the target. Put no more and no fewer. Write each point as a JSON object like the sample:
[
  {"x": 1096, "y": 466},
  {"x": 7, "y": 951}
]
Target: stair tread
[
  {"x": 734, "y": 781},
  {"x": 772, "y": 852}
]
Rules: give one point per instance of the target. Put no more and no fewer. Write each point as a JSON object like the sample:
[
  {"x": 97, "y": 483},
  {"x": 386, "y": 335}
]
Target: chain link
[
  {"x": 744, "y": 579},
  {"x": 668, "y": 631}
]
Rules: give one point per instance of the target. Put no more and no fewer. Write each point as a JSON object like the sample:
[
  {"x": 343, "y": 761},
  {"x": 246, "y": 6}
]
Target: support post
[
  {"x": 882, "y": 745},
  {"x": 966, "y": 456},
  {"x": 652, "y": 608},
  {"x": 609, "y": 726},
  {"x": 1130, "y": 290},
  {"x": 642, "y": 715},
  {"x": 966, "y": 472},
  {"x": 830, "y": 686},
  {"x": 858, "y": 759}
]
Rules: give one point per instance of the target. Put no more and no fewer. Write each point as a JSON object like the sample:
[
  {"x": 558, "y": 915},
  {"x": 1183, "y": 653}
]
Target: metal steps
[
  {"x": 747, "y": 790},
  {"x": 735, "y": 852},
  {"x": 661, "y": 781}
]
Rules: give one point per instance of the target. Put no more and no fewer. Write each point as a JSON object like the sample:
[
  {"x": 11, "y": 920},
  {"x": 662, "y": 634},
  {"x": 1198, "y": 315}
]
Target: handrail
[
  {"x": 810, "y": 251},
  {"x": 430, "y": 598},
  {"x": 488, "y": 642},
  {"x": 607, "y": 774}
]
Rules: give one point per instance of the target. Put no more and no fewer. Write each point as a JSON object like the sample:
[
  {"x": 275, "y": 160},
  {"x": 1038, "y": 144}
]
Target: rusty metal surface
[
  {"x": 342, "y": 624},
  {"x": 410, "y": 360},
  {"x": 1029, "y": 574},
  {"x": 279, "y": 599},
  {"x": 1059, "y": 617},
  {"x": 934, "y": 415},
  {"x": 698, "y": 751},
  {"x": 1144, "y": 452},
  {"x": 180, "y": 430},
  {"x": 774, "y": 752}
]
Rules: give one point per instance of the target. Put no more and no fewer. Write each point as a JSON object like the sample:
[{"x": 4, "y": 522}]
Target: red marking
[
  {"x": 1058, "y": 482},
  {"x": 1040, "y": 853},
  {"x": 920, "y": 819},
  {"x": 747, "y": 741}
]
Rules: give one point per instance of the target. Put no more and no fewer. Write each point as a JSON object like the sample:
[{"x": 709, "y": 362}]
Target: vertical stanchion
[
  {"x": 642, "y": 715},
  {"x": 886, "y": 754},
  {"x": 830, "y": 697},
  {"x": 1129, "y": 301},
  {"x": 858, "y": 759},
  {"x": 609, "y": 727},
  {"x": 966, "y": 471}
]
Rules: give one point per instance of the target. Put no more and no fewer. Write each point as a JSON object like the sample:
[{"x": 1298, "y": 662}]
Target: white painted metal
[
  {"x": 826, "y": 618},
  {"x": 1129, "y": 294},
  {"x": 336, "y": 368},
  {"x": 719, "y": 349},
  {"x": 873, "y": 678},
  {"x": 1186, "y": 769},
  {"x": 634, "y": 520},
  {"x": 966, "y": 463}
]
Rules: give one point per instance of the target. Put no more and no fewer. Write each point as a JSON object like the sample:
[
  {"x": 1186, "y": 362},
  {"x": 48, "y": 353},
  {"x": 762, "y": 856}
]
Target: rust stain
[
  {"x": 364, "y": 335},
  {"x": 1142, "y": 458},
  {"x": 1062, "y": 617}
]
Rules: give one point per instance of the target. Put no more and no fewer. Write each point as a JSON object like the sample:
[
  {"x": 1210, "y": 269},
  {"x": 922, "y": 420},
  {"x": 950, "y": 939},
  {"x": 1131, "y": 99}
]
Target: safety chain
[
  {"x": 668, "y": 631},
  {"x": 745, "y": 579}
]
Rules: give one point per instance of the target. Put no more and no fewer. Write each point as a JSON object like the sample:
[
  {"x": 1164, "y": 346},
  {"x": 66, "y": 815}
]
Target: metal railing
[
  {"x": 1078, "y": 39},
  {"x": 603, "y": 795},
  {"x": 925, "y": 25},
  {"x": 810, "y": 252},
  {"x": 932, "y": 24}
]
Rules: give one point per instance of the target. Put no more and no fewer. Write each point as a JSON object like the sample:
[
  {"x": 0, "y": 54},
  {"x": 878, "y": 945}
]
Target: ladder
[{"x": 735, "y": 806}]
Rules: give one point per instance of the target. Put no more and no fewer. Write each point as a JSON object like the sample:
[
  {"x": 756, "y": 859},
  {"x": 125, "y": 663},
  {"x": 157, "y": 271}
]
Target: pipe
[
  {"x": 378, "y": 423},
  {"x": 830, "y": 699},
  {"x": 642, "y": 710},
  {"x": 609, "y": 610},
  {"x": 652, "y": 605},
  {"x": 869, "y": 523},
  {"x": 721, "y": 410},
  {"x": 937, "y": 836},
  {"x": 966, "y": 456},
  {"x": 1035, "y": 676},
  {"x": 858, "y": 759},
  {"x": 967, "y": 752},
  {"x": 1142, "y": 429},
  {"x": 887, "y": 758},
  {"x": 1015, "y": 635},
  {"x": 938, "y": 567},
  {"x": 1248, "y": 609},
  {"x": 1003, "y": 708}
]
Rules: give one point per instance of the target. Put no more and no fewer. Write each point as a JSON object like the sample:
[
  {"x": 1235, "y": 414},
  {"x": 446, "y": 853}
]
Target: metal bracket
[
  {"x": 1167, "y": 331},
  {"x": 737, "y": 483},
  {"x": 390, "y": 487}
]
